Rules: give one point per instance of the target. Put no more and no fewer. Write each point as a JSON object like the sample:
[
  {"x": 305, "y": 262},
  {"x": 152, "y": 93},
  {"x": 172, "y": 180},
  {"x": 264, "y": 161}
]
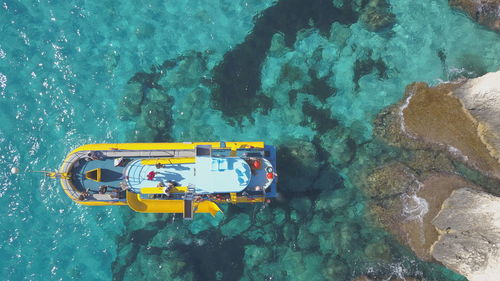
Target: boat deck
[
  {"x": 111, "y": 177},
  {"x": 208, "y": 175},
  {"x": 179, "y": 173},
  {"x": 198, "y": 175}
]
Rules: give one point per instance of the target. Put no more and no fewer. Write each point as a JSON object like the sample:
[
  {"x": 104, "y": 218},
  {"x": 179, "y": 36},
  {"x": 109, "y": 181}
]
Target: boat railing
[
  {"x": 150, "y": 153},
  {"x": 66, "y": 167}
]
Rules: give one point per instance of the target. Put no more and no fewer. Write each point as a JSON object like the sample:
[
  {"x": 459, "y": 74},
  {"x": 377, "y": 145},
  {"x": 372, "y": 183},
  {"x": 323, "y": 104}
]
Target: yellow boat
[{"x": 184, "y": 178}]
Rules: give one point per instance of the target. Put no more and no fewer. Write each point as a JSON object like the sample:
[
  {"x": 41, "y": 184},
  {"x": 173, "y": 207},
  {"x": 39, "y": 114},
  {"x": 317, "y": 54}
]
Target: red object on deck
[
  {"x": 257, "y": 164},
  {"x": 270, "y": 176},
  {"x": 151, "y": 175}
]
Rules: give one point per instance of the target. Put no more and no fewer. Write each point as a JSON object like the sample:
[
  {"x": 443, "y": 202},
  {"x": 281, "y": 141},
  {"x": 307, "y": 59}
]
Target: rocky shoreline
[
  {"x": 485, "y": 12},
  {"x": 442, "y": 129}
]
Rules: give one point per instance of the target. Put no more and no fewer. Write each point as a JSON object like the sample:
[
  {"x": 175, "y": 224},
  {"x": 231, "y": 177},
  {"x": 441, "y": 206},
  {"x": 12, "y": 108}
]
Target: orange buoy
[
  {"x": 270, "y": 176},
  {"x": 257, "y": 164}
]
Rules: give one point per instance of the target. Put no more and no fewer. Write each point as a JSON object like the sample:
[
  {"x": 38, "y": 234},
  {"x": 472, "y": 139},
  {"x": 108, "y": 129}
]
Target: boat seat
[
  {"x": 103, "y": 197},
  {"x": 223, "y": 164},
  {"x": 219, "y": 164}
]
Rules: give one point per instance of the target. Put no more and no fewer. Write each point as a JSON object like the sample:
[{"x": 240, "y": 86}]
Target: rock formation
[
  {"x": 485, "y": 12},
  {"x": 481, "y": 97},
  {"x": 424, "y": 196},
  {"x": 463, "y": 116},
  {"x": 423, "y": 206},
  {"x": 469, "y": 224}
]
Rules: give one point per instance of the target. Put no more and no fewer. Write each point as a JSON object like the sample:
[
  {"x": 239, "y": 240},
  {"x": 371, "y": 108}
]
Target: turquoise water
[{"x": 66, "y": 66}]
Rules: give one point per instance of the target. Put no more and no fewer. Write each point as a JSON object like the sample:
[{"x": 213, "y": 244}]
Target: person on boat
[
  {"x": 117, "y": 194},
  {"x": 173, "y": 183},
  {"x": 119, "y": 162},
  {"x": 103, "y": 189},
  {"x": 95, "y": 155},
  {"x": 85, "y": 195},
  {"x": 151, "y": 175},
  {"x": 168, "y": 188}
]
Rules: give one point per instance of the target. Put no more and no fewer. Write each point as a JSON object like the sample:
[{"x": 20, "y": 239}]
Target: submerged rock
[
  {"x": 130, "y": 105},
  {"x": 238, "y": 74},
  {"x": 389, "y": 181},
  {"x": 339, "y": 145},
  {"x": 166, "y": 263},
  {"x": 255, "y": 256},
  {"x": 377, "y": 15},
  {"x": 330, "y": 201},
  {"x": 378, "y": 250},
  {"x": 300, "y": 163},
  {"x": 469, "y": 224},
  {"x": 144, "y": 30},
  {"x": 485, "y": 12},
  {"x": 238, "y": 224},
  {"x": 204, "y": 222},
  {"x": 335, "y": 269},
  {"x": 306, "y": 240}
]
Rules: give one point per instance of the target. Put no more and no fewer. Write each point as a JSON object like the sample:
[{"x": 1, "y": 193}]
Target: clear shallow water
[{"x": 64, "y": 68}]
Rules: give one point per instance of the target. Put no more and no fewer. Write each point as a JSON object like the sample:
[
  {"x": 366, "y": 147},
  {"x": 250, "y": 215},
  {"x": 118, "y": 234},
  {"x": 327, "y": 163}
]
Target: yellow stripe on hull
[
  {"x": 159, "y": 190},
  {"x": 165, "y": 146},
  {"x": 101, "y": 203},
  {"x": 166, "y": 161}
]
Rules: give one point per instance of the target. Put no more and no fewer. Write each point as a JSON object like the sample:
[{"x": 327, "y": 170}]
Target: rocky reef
[
  {"x": 447, "y": 138},
  {"x": 485, "y": 12},
  {"x": 377, "y": 16},
  {"x": 148, "y": 99}
]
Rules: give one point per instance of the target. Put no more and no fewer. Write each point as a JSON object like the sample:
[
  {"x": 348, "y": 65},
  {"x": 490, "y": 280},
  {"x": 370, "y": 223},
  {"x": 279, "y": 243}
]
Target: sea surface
[{"x": 307, "y": 76}]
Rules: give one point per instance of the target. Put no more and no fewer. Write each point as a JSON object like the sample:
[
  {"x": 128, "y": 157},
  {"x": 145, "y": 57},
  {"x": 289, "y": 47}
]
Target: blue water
[{"x": 65, "y": 67}]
